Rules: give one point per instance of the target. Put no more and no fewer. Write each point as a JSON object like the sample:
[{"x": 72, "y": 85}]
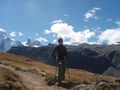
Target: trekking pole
[
  {"x": 68, "y": 73},
  {"x": 55, "y": 71}
]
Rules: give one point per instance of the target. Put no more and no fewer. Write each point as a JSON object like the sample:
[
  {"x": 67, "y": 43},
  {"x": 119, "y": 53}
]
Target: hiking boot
[{"x": 58, "y": 83}]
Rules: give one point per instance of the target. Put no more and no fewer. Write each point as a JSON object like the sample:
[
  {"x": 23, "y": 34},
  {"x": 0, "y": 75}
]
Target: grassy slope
[
  {"x": 26, "y": 64},
  {"x": 10, "y": 81}
]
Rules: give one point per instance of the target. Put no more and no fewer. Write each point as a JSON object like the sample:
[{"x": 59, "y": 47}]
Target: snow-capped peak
[
  {"x": 16, "y": 43},
  {"x": 6, "y": 43},
  {"x": 31, "y": 43}
]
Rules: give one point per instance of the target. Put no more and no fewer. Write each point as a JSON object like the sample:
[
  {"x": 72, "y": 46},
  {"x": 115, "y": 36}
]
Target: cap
[{"x": 60, "y": 40}]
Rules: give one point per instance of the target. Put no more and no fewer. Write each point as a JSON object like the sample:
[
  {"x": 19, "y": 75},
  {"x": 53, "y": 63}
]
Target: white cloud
[
  {"x": 68, "y": 33},
  {"x": 20, "y": 34},
  {"x": 66, "y": 15},
  {"x": 110, "y": 35},
  {"x": 13, "y": 34},
  {"x": 91, "y": 13},
  {"x": 54, "y": 41},
  {"x": 62, "y": 30},
  {"x": 41, "y": 39},
  {"x": 47, "y": 31},
  {"x": 2, "y": 30},
  {"x": 109, "y": 20},
  {"x": 93, "y": 42},
  {"x": 118, "y": 23},
  {"x": 96, "y": 8},
  {"x": 68, "y": 43},
  {"x": 57, "y": 21},
  {"x": 82, "y": 36}
]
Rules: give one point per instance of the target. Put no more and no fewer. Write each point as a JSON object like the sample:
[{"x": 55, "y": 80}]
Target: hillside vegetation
[
  {"x": 78, "y": 77},
  {"x": 10, "y": 81}
]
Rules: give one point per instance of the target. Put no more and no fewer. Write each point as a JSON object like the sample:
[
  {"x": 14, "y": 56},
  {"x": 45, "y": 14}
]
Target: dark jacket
[{"x": 60, "y": 51}]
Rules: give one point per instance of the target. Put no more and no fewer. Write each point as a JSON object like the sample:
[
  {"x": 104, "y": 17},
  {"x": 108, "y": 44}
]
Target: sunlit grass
[
  {"x": 10, "y": 81},
  {"x": 77, "y": 76}
]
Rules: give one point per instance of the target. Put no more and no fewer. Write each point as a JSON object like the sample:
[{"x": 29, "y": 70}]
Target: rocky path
[{"x": 33, "y": 81}]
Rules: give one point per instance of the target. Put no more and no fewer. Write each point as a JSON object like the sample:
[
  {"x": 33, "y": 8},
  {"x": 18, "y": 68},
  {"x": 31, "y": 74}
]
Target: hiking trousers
[{"x": 61, "y": 70}]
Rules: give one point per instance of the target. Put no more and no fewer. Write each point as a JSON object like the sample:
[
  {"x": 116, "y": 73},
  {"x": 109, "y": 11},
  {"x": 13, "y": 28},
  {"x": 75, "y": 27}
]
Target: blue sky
[{"x": 77, "y": 21}]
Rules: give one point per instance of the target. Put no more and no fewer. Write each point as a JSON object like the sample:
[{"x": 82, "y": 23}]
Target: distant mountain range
[
  {"x": 6, "y": 43},
  {"x": 102, "y": 59}
]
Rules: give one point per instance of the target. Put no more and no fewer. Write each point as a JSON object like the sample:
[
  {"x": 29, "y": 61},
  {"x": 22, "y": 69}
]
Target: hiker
[{"x": 60, "y": 54}]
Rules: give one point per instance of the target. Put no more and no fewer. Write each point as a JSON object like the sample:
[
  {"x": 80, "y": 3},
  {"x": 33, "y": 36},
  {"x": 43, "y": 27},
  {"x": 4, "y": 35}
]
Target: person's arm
[
  {"x": 65, "y": 53},
  {"x": 53, "y": 53}
]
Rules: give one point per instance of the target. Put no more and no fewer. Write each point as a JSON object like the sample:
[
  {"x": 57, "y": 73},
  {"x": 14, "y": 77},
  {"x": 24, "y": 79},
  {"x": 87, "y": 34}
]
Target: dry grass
[
  {"x": 10, "y": 81},
  {"x": 26, "y": 64}
]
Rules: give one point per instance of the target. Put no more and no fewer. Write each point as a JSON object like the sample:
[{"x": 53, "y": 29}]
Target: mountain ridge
[{"x": 93, "y": 58}]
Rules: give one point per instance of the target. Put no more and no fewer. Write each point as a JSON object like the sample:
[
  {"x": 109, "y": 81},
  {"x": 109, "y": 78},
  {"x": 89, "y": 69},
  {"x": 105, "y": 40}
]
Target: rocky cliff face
[
  {"x": 102, "y": 59},
  {"x": 114, "y": 70}
]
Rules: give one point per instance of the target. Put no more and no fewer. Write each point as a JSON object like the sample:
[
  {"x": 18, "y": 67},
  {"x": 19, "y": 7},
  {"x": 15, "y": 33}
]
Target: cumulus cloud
[
  {"x": 20, "y": 34},
  {"x": 62, "y": 30},
  {"x": 118, "y": 23},
  {"x": 68, "y": 43},
  {"x": 13, "y": 34},
  {"x": 54, "y": 41},
  {"x": 112, "y": 36},
  {"x": 91, "y": 13},
  {"x": 68, "y": 33},
  {"x": 2, "y": 30},
  {"x": 47, "y": 31},
  {"x": 41, "y": 39},
  {"x": 57, "y": 21}
]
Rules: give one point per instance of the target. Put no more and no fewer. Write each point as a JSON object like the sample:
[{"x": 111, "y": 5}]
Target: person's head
[{"x": 60, "y": 41}]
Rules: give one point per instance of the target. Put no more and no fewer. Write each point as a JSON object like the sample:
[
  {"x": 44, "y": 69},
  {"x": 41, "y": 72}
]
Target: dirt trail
[{"x": 33, "y": 81}]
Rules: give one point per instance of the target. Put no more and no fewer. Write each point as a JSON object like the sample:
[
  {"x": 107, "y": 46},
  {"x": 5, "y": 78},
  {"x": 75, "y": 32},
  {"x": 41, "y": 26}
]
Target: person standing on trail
[{"x": 61, "y": 57}]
